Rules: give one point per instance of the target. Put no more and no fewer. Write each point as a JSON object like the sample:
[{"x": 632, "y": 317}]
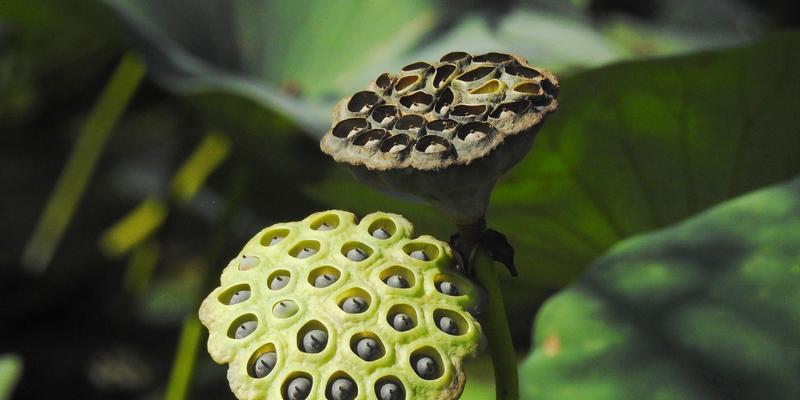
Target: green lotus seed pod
[
  {"x": 335, "y": 326},
  {"x": 443, "y": 131}
]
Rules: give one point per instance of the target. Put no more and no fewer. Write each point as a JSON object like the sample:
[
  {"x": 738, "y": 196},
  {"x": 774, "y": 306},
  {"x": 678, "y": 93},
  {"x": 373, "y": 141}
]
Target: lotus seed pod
[
  {"x": 443, "y": 131},
  {"x": 337, "y": 327}
]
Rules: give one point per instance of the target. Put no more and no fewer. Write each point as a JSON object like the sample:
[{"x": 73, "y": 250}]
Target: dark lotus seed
[
  {"x": 315, "y": 341},
  {"x": 299, "y": 388},
  {"x": 368, "y": 349},
  {"x": 239, "y": 296},
  {"x": 420, "y": 255},
  {"x": 325, "y": 280},
  {"x": 306, "y": 252},
  {"x": 447, "y": 325},
  {"x": 426, "y": 368},
  {"x": 356, "y": 254},
  {"x": 391, "y": 391},
  {"x": 354, "y": 305},
  {"x": 397, "y": 281},
  {"x": 343, "y": 389},
  {"x": 402, "y": 322},
  {"x": 245, "y": 329},
  {"x": 264, "y": 364},
  {"x": 380, "y": 233},
  {"x": 447, "y": 288},
  {"x": 279, "y": 282}
]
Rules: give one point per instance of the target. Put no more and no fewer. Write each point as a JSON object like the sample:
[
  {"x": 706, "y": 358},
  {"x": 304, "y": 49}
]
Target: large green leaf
[
  {"x": 634, "y": 147},
  {"x": 708, "y": 309},
  {"x": 10, "y": 371}
]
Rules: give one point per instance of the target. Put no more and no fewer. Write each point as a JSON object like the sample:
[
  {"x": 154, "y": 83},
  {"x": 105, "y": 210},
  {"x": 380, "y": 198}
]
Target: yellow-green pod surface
[{"x": 317, "y": 291}]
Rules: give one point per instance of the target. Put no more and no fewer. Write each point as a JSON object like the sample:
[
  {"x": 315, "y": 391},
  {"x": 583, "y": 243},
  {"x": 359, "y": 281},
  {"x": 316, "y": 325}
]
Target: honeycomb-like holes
[
  {"x": 225, "y": 296},
  {"x": 460, "y": 321},
  {"x": 431, "y": 352},
  {"x": 418, "y": 101},
  {"x": 273, "y": 236},
  {"x": 406, "y": 82},
  {"x": 349, "y": 127},
  {"x": 274, "y": 279},
  {"x": 331, "y": 221},
  {"x": 420, "y": 66},
  {"x": 405, "y": 309},
  {"x": 370, "y": 138},
  {"x": 389, "y": 379},
  {"x": 384, "y": 81},
  {"x": 456, "y": 57},
  {"x": 397, "y": 144},
  {"x": 493, "y": 58},
  {"x": 528, "y": 89},
  {"x": 340, "y": 375},
  {"x": 325, "y": 269},
  {"x": 361, "y": 335},
  {"x": 491, "y": 86},
  {"x": 444, "y": 127},
  {"x": 382, "y": 223},
  {"x": 472, "y": 132},
  {"x": 461, "y": 285},
  {"x": 466, "y": 111},
  {"x": 443, "y": 74},
  {"x": 476, "y": 74},
  {"x": 239, "y": 321},
  {"x": 384, "y": 115},
  {"x": 288, "y": 380},
  {"x": 308, "y": 327},
  {"x": 354, "y": 292},
  {"x": 522, "y": 72},
  {"x": 444, "y": 102},
  {"x": 398, "y": 270},
  {"x": 514, "y": 108},
  {"x": 305, "y": 249},
  {"x": 430, "y": 250},
  {"x": 251, "y": 363},
  {"x": 347, "y": 247},
  {"x": 411, "y": 123},
  {"x": 432, "y": 144},
  {"x": 363, "y": 101}
]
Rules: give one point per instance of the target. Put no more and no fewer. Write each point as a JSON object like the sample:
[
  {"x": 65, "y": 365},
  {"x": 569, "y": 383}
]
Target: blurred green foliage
[{"x": 708, "y": 309}]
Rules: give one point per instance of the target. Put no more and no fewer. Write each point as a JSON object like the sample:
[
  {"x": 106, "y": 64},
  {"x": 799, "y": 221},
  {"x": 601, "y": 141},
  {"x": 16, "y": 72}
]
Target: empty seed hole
[
  {"x": 390, "y": 388},
  {"x": 243, "y": 326},
  {"x": 273, "y": 236},
  {"x": 468, "y": 110},
  {"x": 528, "y": 88},
  {"x": 277, "y": 280},
  {"x": 370, "y": 138},
  {"x": 493, "y": 86},
  {"x": 492, "y": 57},
  {"x": 341, "y": 386},
  {"x": 441, "y": 126},
  {"x": 354, "y": 301},
  {"x": 522, "y": 72},
  {"x": 285, "y": 309},
  {"x": 312, "y": 337},
  {"x": 506, "y": 110},
  {"x": 476, "y": 74},
  {"x": 304, "y": 249},
  {"x": 445, "y": 101},
  {"x": 402, "y": 317},
  {"x": 427, "y": 363},
  {"x": 297, "y": 386},
  {"x": 419, "y": 65},
  {"x": 384, "y": 81},
  {"x": 382, "y": 228},
  {"x": 248, "y": 262},
  {"x": 356, "y": 251},
  {"x": 349, "y": 127},
  {"x": 405, "y": 82},
  {"x": 263, "y": 361},
  {"x": 398, "y": 277},
  {"x": 410, "y": 122},
  {"x": 455, "y": 56},
  {"x": 417, "y": 102},
  {"x": 421, "y": 251},
  {"x": 443, "y": 74},
  {"x": 362, "y": 102},
  {"x": 384, "y": 114},
  {"x": 450, "y": 322},
  {"x": 324, "y": 276},
  {"x": 235, "y": 294},
  {"x": 367, "y": 346}
]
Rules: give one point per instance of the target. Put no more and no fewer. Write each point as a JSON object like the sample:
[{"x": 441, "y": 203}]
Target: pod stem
[{"x": 481, "y": 265}]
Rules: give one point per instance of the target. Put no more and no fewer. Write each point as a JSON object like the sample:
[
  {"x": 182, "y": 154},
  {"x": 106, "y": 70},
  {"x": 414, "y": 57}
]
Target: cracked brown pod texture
[{"x": 443, "y": 131}]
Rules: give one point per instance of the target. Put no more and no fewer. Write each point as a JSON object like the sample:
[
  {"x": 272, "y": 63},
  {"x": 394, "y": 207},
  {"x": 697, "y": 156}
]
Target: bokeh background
[{"x": 142, "y": 142}]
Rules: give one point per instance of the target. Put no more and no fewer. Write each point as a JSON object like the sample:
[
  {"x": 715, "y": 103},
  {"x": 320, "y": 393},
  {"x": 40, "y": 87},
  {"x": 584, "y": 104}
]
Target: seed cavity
[
  {"x": 468, "y": 110},
  {"x": 405, "y": 83},
  {"x": 396, "y": 144},
  {"x": 239, "y": 296},
  {"x": 455, "y": 56},
  {"x": 285, "y": 309},
  {"x": 445, "y": 101},
  {"x": 474, "y": 131},
  {"x": 363, "y": 101},
  {"x": 441, "y": 126},
  {"x": 522, "y": 72},
  {"x": 412, "y": 123},
  {"x": 476, "y": 74},
  {"x": 263, "y": 361},
  {"x": 370, "y": 138},
  {"x": 248, "y": 262},
  {"x": 235, "y": 294},
  {"x": 312, "y": 337},
  {"x": 432, "y": 144},
  {"x": 447, "y": 287},
  {"x": 417, "y": 102},
  {"x": 390, "y": 389},
  {"x": 298, "y": 388},
  {"x": 443, "y": 74},
  {"x": 279, "y": 279},
  {"x": 356, "y": 251},
  {"x": 342, "y": 388},
  {"x": 511, "y": 109},
  {"x": 323, "y": 277},
  {"x": 402, "y": 317},
  {"x": 367, "y": 346},
  {"x": 304, "y": 249},
  {"x": 354, "y": 305},
  {"x": 384, "y": 81},
  {"x": 419, "y": 65},
  {"x": 349, "y": 127},
  {"x": 493, "y": 57},
  {"x": 382, "y": 228},
  {"x": 384, "y": 114},
  {"x": 243, "y": 326},
  {"x": 421, "y": 251},
  {"x": 450, "y": 322},
  {"x": 427, "y": 363},
  {"x": 326, "y": 223}
]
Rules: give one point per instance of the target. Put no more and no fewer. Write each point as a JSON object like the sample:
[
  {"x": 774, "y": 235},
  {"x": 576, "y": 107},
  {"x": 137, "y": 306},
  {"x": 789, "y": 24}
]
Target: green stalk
[{"x": 495, "y": 327}]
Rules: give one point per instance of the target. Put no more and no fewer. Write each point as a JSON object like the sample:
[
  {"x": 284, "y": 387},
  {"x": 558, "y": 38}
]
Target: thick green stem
[{"x": 496, "y": 329}]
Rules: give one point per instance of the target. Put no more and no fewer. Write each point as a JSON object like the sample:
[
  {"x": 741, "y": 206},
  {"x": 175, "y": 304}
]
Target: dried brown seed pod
[{"x": 443, "y": 131}]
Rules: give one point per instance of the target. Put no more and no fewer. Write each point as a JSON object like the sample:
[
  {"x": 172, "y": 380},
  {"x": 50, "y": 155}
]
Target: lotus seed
[
  {"x": 426, "y": 368},
  {"x": 381, "y": 233},
  {"x": 420, "y": 255},
  {"x": 448, "y": 325},
  {"x": 343, "y": 389},
  {"x": 402, "y": 322},
  {"x": 299, "y": 388},
  {"x": 397, "y": 281},
  {"x": 279, "y": 282},
  {"x": 397, "y": 148},
  {"x": 435, "y": 148},
  {"x": 264, "y": 364},
  {"x": 315, "y": 341},
  {"x": 325, "y": 280},
  {"x": 239, "y": 296},
  {"x": 447, "y": 288},
  {"x": 391, "y": 391},
  {"x": 356, "y": 254},
  {"x": 245, "y": 329},
  {"x": 354, "y": 305},
  {"x": 324, "y": 227},
  {"x": 248, "y": 262},
  {"x": 368, "y": 349},
  {"x": 285, "y": 309},
  {"x": 275, "y": 240},
  {"x": 474, "y": 136},
  {"x": 372, "y": 142},
  {"x": 306, "y": 252}
]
